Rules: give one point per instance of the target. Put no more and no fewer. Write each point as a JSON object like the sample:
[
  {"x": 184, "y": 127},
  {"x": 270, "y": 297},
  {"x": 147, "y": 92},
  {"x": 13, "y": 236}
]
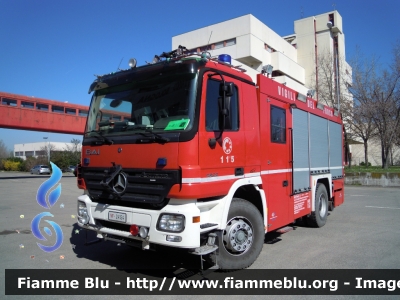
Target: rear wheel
[
  {"x": 243, "y": 237},
  {"x": 319, "y": 216}
]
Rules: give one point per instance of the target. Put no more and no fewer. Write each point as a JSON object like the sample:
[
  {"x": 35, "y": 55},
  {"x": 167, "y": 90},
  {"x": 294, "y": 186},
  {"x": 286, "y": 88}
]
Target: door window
[{"x": 278, "y": 125}]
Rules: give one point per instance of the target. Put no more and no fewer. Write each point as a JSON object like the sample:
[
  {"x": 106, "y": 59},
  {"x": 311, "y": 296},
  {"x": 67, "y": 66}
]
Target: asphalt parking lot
[{"x": 363, "y": 233}]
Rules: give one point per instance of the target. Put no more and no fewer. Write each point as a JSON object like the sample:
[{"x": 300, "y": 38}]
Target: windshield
[{"x": 164, "y": 103}]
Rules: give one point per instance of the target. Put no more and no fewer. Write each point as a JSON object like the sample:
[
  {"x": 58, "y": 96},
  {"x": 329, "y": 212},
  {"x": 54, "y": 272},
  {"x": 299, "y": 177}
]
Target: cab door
[
  {"x": 277, "y": 153},
  {"x": 221, "y": 157}
]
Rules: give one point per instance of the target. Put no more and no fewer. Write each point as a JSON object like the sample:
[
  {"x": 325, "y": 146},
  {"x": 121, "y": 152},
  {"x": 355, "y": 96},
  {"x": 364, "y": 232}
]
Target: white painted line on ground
[{"x": 383, "y": 207}]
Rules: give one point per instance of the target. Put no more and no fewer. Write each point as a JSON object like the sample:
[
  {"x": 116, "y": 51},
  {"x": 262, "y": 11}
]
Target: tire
[
  {"x": 319, "y": 216},
  {"x": 239, "y": 249}
]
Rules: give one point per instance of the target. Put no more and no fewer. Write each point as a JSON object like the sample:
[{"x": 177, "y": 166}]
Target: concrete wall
[
  {"x": 305, "y": 43},
  {"x": 375, "y": 179}
]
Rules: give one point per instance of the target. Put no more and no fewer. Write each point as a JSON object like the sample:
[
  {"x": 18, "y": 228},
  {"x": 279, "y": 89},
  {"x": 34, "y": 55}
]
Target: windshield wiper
[
  {"x": 122, "y": 125},
  {"x": 113, "y": 124},
  {"x": 136, "y": 126},
  {"x": 100, "y": 137},
  {"x": 154, "y": 137}
]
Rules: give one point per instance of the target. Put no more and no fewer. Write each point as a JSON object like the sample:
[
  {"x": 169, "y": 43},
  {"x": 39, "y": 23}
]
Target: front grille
[
  {"x": 113, "y": 225},
  {"x": 145, "y": 188}
]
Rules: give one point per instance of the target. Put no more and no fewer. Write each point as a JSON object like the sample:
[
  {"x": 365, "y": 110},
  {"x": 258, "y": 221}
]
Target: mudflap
[{"x": 338, "y": 193}]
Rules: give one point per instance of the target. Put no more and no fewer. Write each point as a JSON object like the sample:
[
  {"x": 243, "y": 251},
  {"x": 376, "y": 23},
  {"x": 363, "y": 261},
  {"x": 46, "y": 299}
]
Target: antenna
[
  {"x": 301, "y": 12},
  {"x": 334, "y": 6},
  {"x": 208, "y": 44},
  {"x": 120, "y": 64}
]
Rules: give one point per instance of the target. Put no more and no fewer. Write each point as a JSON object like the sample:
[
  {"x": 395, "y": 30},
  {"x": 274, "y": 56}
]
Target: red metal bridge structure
[{"x": 37, "y": 114}]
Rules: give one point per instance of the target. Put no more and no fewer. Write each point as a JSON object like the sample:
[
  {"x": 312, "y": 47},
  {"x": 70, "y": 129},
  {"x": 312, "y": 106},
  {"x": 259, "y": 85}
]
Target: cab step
[
  {"x": 208, "y": 248},
  {"x": 206, "y": 225},
  {"x": 204, "y": 250}
]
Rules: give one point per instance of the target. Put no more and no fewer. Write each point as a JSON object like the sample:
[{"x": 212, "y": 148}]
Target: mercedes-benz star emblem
[{"x": 119, "y": 183}]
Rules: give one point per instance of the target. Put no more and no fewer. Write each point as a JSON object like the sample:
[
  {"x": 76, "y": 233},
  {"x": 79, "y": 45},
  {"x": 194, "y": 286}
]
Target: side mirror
[
  {"x": 225, "y": 93},
  {"x": 224, "y": 119},
  {"x": 115, "y": 103},
  {"x": 226, "y": 88}
]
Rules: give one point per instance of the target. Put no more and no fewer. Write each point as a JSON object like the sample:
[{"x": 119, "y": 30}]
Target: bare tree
[
  {"x": 361, "y": 123},
  {"x": 46, "y": 153},
  {"x": 74, "y": 151},
  {"x": 396, "y": 53},
  {"x": 4, "y": 151},
  {"x": 76, "y": 143},
  {"x": 362, "y": 126},
  {"x": 377, "y": 94},
  {"x": 331, "y": 81}
]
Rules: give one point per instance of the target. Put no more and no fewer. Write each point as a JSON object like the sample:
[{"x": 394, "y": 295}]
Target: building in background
[
  {"x": 374, "y": 153},
  {"x": 252, "y": 44},
  {"x": 320, "y": 44},
  {"x": 294, "y": 58},
  {"x": 311, "y": 61},
  {"x": 41, "y": 148}
]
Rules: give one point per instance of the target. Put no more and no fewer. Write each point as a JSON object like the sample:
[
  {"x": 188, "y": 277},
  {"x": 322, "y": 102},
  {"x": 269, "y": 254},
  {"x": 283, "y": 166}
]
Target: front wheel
[{"x": 243, "y": 238}]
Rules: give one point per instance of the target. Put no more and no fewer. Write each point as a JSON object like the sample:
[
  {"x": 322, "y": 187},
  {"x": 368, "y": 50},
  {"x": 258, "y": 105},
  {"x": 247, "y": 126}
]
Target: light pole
[{"x": 47, "y": 149}]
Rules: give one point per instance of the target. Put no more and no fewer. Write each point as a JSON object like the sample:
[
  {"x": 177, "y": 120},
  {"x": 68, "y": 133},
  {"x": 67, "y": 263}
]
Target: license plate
[{"x": 116, "y": 216}]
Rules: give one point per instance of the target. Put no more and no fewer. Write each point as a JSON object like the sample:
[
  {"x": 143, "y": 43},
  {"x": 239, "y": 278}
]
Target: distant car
[
  {"x": 69, "y": 169},
  {"x": 40, "y": 169}
]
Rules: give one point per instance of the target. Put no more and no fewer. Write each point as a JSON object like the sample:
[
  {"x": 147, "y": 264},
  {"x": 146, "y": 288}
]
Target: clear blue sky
[{"x": 51, "y": 49}]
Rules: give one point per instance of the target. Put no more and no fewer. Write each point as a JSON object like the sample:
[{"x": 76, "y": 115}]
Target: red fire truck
[{"x": 189, "y": 152}]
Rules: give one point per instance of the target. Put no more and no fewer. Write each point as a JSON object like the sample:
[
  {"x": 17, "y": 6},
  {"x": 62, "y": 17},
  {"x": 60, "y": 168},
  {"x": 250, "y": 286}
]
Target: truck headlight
[
  {"x": 83, "y": 216},
  {"x": 171, "y": 223}
]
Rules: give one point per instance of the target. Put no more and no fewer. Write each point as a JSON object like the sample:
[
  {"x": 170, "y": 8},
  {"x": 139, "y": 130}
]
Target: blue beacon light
[{"x": 224, "y": 58}]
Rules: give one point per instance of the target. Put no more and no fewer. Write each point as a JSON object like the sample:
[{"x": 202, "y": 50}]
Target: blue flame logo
[
  {"x": 47, "y": 185},
  {"x": 52, "y": 199},
  {"x": 36, "y": 232}
]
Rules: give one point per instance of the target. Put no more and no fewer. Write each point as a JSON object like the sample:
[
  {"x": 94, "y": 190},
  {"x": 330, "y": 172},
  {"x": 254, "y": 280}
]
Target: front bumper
[{"x": 190, "y": 236}]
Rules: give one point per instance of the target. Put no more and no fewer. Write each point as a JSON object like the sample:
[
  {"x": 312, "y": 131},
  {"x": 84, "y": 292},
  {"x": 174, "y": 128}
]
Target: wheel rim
[
  {"x": 322, "y": 205},
  {"x": 238, "y": 236}
]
